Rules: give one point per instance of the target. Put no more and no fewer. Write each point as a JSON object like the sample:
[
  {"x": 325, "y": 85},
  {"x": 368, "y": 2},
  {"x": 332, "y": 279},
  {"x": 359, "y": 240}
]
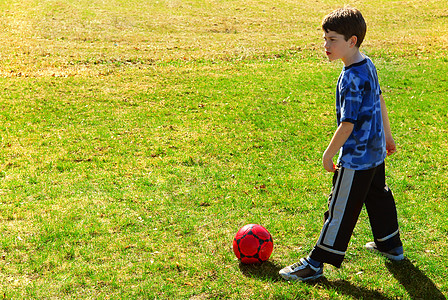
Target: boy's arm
[
  {"x": 390, "y": 143},
  {"x": 339, "y": 138}
]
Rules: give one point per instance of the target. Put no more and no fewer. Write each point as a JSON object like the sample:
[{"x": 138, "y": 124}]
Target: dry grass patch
[{"x": 72, "y": 38}]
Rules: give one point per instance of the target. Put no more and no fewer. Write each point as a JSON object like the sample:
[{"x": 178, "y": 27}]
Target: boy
[{"x": 363, "y": 139}]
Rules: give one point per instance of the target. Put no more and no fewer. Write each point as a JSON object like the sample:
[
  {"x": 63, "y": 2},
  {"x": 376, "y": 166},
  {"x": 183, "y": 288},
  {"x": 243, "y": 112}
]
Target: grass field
[{"x": 137, "y": 137}]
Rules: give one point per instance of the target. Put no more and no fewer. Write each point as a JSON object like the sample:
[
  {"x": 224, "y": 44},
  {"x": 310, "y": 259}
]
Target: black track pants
[{"x": 351, "y": 189}]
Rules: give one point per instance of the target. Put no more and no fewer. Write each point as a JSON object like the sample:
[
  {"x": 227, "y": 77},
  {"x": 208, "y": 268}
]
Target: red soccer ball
[{"x": 253, "y": 244}]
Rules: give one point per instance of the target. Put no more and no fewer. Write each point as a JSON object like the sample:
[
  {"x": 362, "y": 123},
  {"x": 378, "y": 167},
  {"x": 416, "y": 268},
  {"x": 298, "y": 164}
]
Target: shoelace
[{"x": 296, "y": 265}]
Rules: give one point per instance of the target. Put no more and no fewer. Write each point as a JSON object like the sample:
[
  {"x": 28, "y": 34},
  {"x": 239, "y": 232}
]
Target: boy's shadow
[
  {"x": 269, "y": 271},
  {"x": 416, "y": 283}
]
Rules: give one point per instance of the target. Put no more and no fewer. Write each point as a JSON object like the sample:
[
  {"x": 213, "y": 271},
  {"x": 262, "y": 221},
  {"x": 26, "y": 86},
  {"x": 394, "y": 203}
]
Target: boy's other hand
[{"x": 391, "y": 148}]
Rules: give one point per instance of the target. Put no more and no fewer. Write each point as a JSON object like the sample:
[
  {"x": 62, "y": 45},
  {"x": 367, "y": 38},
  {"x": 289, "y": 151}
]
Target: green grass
[{"x": 136, "y": 138}]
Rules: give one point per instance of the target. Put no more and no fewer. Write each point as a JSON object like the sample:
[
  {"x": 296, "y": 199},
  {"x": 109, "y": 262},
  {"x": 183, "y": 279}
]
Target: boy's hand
[
  {"x": 339, "y": 138},
  {"x": 328, "y": 164},
  {"x": 391, "y": 148}
]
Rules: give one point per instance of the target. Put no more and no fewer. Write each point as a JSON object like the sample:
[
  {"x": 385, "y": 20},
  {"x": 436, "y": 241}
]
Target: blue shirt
[{"x": 358, "y": 102}]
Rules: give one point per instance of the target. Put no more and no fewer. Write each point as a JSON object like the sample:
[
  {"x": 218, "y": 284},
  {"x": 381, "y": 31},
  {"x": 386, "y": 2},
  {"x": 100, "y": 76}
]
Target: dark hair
[{"x": 347, "y": 21}]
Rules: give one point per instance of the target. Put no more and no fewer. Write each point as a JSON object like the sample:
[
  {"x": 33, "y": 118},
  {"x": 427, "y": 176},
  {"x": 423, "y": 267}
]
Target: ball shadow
[{"x": 267, "y": 270}]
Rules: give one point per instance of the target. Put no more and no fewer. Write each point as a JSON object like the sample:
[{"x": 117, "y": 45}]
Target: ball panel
[
  {"x": 249, "y": 245},
  {"x": 266, "y": 250},
  {"x": 261, "y": 232},
  {"x": 250, "y": 260},
  {"x": 235, "y": 249},
  {"x": 243, "y": 231}
]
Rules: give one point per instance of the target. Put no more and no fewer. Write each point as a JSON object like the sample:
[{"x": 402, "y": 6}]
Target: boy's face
[{"x": 336, "y": 47}]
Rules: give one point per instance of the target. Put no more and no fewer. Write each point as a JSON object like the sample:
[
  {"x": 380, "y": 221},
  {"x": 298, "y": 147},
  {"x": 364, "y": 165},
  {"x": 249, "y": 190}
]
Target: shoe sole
[
  {"x": 295, "y": 278},
  {"x": 393, "y": 257},
  {"x": 389, "y": 256}
]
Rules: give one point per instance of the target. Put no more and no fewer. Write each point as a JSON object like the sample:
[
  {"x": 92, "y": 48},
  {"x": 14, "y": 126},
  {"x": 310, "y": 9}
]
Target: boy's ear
[{"x": 353, "y": 40}]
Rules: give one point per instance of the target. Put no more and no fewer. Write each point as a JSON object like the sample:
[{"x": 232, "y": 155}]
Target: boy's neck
[{"x": 354, "y": 57}]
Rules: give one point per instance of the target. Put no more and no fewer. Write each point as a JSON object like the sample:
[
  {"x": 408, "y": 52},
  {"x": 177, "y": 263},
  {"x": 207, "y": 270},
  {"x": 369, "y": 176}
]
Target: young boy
[{"x": 363, "y": 139}]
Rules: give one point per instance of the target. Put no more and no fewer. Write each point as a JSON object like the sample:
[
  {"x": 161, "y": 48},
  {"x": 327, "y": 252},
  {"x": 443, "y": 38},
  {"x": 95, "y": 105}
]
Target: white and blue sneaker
[
  {"x": 395, "y": 254},
  {"x": 302, "y": 271}
]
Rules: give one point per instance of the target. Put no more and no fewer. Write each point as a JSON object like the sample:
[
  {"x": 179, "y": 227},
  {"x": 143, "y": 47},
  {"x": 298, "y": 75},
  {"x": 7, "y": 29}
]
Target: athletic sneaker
[
  {"x": 302, "y": 271},
  {"x": 394, "y": 254}
]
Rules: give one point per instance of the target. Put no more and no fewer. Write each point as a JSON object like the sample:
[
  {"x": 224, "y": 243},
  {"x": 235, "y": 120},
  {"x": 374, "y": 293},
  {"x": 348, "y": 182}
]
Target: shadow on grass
[
  {"x": 347, "y": 288},
  {"x": 416, "y": 283},
  {"x": 267, "y": 271}
]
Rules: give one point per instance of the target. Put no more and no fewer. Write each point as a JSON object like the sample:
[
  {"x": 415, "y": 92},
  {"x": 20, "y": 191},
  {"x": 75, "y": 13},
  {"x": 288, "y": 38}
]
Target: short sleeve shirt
[{"x": 358, "y": 102}]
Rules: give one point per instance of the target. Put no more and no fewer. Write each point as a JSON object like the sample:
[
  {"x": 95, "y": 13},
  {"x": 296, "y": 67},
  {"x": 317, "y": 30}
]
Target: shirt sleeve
[{"x": 351, "y": 99}]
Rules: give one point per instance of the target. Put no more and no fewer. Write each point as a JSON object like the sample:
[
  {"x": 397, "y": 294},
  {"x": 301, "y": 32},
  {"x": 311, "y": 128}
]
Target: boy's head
[{"x": 347, "y": 21}]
